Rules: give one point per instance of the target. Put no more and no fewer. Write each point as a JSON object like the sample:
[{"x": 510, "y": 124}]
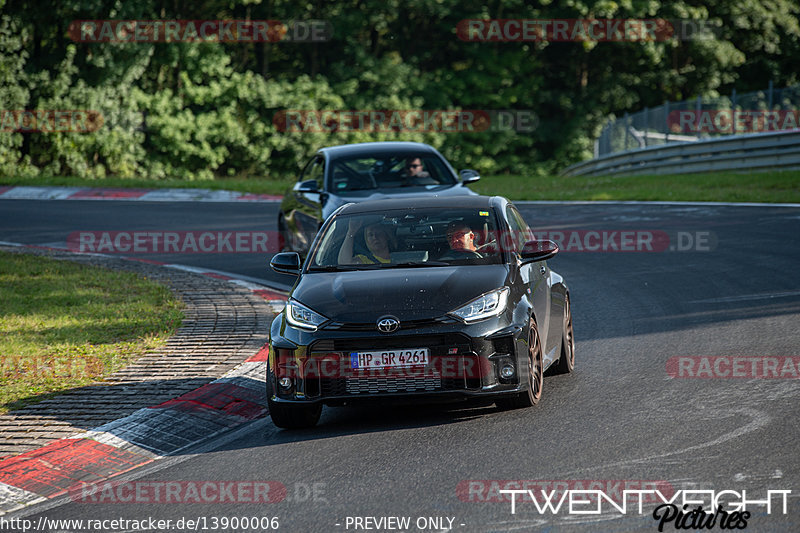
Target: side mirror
[
  {"x": 538, "y": 251},
  {"x": 286, "y": 263},
  {"x": 307, "y": 186},
  {"x": 469, "y": 176}
]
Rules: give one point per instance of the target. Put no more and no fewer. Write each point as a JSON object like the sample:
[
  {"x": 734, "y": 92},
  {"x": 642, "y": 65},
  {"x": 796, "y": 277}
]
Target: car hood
[
  {"x": 407, "y": 293},
  {"x": 335, "y": 200}
]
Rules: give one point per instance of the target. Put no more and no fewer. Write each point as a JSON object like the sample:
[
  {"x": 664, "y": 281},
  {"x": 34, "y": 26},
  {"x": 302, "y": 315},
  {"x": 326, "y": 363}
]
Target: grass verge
[
  {"x": 64, "y": 325},
  {"x": 773, "y": 187},
  {"x": 708, "y": 187},
  {"x": 256, "y": 186}
]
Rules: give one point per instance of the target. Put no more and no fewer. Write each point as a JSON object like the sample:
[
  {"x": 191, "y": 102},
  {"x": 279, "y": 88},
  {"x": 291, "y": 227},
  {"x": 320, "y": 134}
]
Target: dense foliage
[{"x": 199, "y": 110}]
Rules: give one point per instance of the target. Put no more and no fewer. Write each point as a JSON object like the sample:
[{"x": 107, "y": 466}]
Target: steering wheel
[
  {"x": 493, "y": 242},
  {"x": 461, "y": 254},
  {"x": 372, "y": 178}
]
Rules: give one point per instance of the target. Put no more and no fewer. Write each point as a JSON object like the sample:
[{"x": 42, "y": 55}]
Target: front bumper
[{"x": 465, "y": 362}]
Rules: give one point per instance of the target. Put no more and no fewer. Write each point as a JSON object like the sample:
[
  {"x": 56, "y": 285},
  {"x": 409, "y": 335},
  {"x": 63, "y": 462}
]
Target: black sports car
[
  {"x": 354, "y": 173},
  {"x": 448, "y": 299}
]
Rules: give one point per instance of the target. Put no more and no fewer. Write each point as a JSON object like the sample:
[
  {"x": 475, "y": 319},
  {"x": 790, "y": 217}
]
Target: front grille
[
  {"x": 380, "y": 385},
  {"x": 349, "y": 382}
]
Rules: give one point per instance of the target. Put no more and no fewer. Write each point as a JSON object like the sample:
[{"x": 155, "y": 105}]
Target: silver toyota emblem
[{"x": 388, "y": 324}]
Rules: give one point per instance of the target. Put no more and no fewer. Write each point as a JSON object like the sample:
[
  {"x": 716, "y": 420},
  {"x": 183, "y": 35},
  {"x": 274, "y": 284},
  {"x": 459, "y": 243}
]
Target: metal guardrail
[
  {"x": 662, "y": 124},
  {"x": 758, "y": 151}
]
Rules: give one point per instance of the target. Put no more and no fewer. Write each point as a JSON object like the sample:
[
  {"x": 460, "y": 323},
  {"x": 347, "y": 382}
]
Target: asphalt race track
[{"x": 722, "y": 289}]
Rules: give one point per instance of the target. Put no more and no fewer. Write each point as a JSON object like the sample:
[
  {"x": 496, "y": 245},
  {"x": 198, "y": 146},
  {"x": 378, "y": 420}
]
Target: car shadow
[{"x": 172, "y": 417}]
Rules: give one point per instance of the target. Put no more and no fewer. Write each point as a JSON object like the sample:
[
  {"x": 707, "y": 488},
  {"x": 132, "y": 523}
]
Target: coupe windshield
[
  {"x": 411, "y": 238},
  {"x": 390, "y": 171}
]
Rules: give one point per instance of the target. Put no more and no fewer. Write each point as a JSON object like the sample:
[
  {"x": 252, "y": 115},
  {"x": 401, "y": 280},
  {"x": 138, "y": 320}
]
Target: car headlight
[
  {"x": 302, "y": 317},
  {"x": 489, "y": 305}
]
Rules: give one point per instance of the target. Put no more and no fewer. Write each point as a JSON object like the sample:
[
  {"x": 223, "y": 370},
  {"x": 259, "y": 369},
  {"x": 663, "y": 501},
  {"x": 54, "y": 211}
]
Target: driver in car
[
  {"x": 414, "y": 169},
  {"x": 461, "y": 239}
]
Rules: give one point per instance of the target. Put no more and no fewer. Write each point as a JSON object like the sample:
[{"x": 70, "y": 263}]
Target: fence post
[
  {"x": 627, "y": 130},
  {"x": 666, "y": 121},
  {"x": 697, "y": 110},
  {"x": 733, "y": 111},
  {"x": 646, "y": 124},
  {"x": 769, "y": 106}
]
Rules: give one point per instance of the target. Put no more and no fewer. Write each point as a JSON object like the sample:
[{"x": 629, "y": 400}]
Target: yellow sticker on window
[{"x": 483, "y": 213}]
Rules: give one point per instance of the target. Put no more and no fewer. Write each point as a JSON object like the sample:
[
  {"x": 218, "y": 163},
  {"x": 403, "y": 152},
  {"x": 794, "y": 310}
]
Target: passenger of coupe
[{"x": 378, "y": 242}]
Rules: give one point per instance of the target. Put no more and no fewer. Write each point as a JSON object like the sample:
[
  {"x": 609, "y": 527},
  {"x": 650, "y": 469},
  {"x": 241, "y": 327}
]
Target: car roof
[
  {"x": 376, "y": 148},
  {"x": 432, "y": 202}
]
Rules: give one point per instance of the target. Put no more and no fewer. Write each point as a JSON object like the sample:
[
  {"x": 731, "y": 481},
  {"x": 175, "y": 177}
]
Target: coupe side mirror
[
  {"x": 307, "y": 186},
  {"x": 538, "y": 251},
  {"x": 286, "y": 263},
  {"x": 469, "y": 176}
]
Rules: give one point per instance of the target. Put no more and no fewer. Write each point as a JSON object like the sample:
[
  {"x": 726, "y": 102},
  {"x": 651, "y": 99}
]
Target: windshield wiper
[
  {"x": 335, "y": 268},
  {"x": 412, "y": 264}
]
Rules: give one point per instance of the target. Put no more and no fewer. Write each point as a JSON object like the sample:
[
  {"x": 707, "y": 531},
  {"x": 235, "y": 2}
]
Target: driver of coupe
[{"x": 414, "y": 169}]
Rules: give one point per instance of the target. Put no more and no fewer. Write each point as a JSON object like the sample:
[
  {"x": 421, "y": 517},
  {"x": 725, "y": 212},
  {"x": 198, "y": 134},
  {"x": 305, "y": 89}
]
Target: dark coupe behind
[
  {"x": 426, "y": 320},
  {"x": 353, "y": 173}
]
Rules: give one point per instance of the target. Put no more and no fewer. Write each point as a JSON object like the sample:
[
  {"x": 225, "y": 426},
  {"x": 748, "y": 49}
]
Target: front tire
[
  {"x": 531, "y": 396},
  {"x": 566, "y": 361}
]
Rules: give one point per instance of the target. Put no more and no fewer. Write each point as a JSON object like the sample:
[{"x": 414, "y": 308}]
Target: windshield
[
  {"x": 389, "y": 171},
  {"x": 408, "y": 238}
]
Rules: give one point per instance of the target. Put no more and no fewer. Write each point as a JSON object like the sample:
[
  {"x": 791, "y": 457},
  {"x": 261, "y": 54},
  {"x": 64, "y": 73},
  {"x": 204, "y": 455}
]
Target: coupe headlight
[
  {"x": 489, "y": 305},
  {"x": 302, "y": 317}
]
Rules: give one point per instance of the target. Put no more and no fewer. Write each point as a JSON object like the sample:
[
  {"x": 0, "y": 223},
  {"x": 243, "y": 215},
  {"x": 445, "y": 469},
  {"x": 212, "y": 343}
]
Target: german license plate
[{"x": 401, "y": 357}]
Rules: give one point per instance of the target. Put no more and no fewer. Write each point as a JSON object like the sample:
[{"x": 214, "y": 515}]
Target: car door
[
  {"x": 308, "y": 195},
  {"x": 537, "y": 276}
]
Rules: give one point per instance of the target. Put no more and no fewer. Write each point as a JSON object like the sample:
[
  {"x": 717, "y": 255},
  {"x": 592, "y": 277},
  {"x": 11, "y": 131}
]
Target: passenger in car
[{"x": 376, "y": 237}]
